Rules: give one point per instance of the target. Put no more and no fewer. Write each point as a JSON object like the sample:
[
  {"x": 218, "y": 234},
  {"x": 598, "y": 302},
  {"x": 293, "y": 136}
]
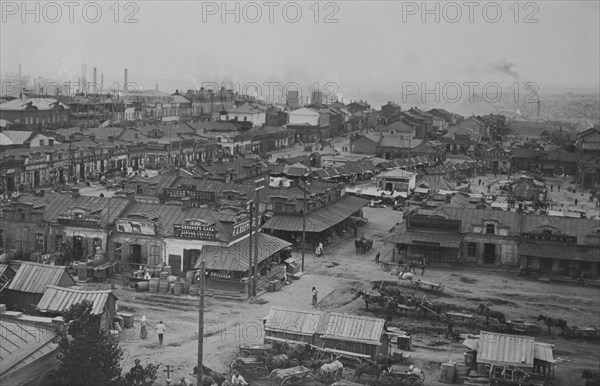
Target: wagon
[
  {"x": 388, "y": 266},
  {"x": 250, "y": 367},
  {"x": 291, "y": 376},
  {"x": 435, "y": 287},
  {"x": 405, "y": 378},
  {"x": 253, "y": 350}
]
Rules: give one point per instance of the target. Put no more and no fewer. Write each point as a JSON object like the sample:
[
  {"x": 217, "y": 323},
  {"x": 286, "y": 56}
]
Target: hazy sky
[{"x": 368, "y": 44}]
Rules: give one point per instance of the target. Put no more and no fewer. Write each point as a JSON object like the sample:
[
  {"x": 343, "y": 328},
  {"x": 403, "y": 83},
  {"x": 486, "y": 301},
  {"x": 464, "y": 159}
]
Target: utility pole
[
  {"x": 260, "y": 186},
  {"x": 201, "y": 320},
  {"x": 250, "y": 281},
  {"x": 304, "y": 222}
]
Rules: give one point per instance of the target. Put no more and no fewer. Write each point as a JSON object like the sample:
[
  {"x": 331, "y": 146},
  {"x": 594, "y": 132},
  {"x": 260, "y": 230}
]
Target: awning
[
  {"x": 319, "y": 219},
  {"x": 235, "y": 257},
  {"x": 558, "y": 251},
  {"x": 420, "y": 238}
]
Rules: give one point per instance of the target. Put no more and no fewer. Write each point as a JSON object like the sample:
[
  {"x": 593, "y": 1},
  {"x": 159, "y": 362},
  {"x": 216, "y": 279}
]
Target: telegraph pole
[
  {"x": 250, "y": 281},
  {"x": 201, "y": 319},
  {"x": 260, "y": 186},
  {"x": 304, "y": 223}
]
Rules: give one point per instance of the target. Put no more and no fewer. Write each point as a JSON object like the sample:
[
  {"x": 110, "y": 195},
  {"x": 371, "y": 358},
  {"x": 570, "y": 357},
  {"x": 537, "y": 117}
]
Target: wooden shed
[
  {"x": 57, "y": 299},
  {"x": 29, "y": 284},
  {"x": 284, "y": 325},
  {"x": 355, "y": 334}
]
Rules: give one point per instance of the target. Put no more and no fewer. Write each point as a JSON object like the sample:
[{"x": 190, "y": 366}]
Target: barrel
[
  {"x": 167, "y": 268},
  {"x": 172, "y": 279},
  {"x": 128, "y": 320},
  {"x": 177, "y": 288},
  {"x": 82, "y": 271},
  {"x": 142, "y": 286},
  {"x": 163, "y": 287},
  {"x": 193, "y": 290},
  {"x": 186, "y": 287},
  {"x": 190, "y": 276},
  {"x": 164, "y": 276},
  {"x": 462, "y": 372},
  {"x": 114, "y": 334},
  {"x": 447, "y": 374},
  {"x": 153, "y": 285}
]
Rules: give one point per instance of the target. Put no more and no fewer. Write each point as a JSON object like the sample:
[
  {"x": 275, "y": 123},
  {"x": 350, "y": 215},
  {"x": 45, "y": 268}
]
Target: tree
[{"x": 88, "y": 354}]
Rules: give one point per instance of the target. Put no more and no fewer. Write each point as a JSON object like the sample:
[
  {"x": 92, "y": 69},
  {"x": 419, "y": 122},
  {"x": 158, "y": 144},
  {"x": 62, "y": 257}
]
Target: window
[
  {"x": 472, "y": 249},
  {"x": 41, "y": 142},
  {"x": 21, "y": 214},
  {"x": 39, "y": 242},
  {"x": 58, "y": 240},
  {"x": 278, "y": 207},
  {"x": 490, "y": 229},
  {"x": 118, "y": 252}
]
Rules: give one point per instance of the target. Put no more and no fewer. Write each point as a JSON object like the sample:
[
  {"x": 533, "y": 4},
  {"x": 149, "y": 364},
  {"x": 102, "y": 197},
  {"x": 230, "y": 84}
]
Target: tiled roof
[
  {"x": 34, "y": 277},
  {"x": 235, "y": 257},
  {"x": 353, "y": 328},
  {"x": 294, "y": 321},
  {"x": 57, "y": 299},
  {"x": 17, "y": 137}
]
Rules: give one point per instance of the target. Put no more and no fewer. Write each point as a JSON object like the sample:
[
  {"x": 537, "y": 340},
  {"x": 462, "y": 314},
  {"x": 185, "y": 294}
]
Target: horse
[
  {"x": 292, "y": 350},
  {"x": 316, "y": 364},
  {"x": 560, "y": 323},
  {"x": 592, "y": 378},
  {"x": 333, "y": 369},
  {"x": 385, "y": 360},
  {"x": 371, "y": 299},
  {"x": 401, "y": 275},
  {"x": 489, "y": 313},
  {"x": 369, "y": 368},
  {"x": 392, "y": 291}
]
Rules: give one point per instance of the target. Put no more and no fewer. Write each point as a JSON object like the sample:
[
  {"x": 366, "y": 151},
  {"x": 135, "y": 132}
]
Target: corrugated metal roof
[
  {"x": 58, "y": 299},
  {"x": 34, "y": 277},
  {"x": 506, "y": 350},
  {"x": 21, "y": 341},
  {"x": 293, "y": 321},
  {"x": 543, "y": 352},
  {"x": 235, "y": 257},
  {"x": 445, "y": 240},
  {"x": 354, "y": 328},
  {"x": 319, "y": 219}
]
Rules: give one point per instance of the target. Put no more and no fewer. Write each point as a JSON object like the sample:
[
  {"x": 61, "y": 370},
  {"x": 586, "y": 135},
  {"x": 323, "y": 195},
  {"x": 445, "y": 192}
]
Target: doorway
[
  {"x": 190, "y": 257},
  {"x": 36, "y": 178},
  {"x": 489, "y": 256},
  {"x": 135, "y": 256},
  {"x": 77, "y": 248}
]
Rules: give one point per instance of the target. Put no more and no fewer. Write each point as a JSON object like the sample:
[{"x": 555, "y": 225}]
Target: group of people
[
  {"x": 160, "y": 329},
  {"x": 319, "y": 250}
]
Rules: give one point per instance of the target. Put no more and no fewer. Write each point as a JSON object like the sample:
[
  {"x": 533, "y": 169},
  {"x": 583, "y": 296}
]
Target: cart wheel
[
  {"x": 421, "y": 377},
  {"x": 260, "y": 372},
  {"x": 386, "y": 267},
  {"x": 244, "y": 354},
  {"x": 274, "y": 379},
  {"x": 288, "y": 380},
  {"x": 413, "y": 380}
]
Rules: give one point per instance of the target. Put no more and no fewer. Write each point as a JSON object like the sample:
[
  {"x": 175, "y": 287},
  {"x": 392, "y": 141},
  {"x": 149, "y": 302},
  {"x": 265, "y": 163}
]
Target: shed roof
[
  {"x": 507, "y": 350},
  {"x": 34, "y": 277},
  {"x": 57, "y": 299},
  {"x": 23, "y": 343},
  {"x": 293, "y": 321},
  {"x": 360, "y": 329}
]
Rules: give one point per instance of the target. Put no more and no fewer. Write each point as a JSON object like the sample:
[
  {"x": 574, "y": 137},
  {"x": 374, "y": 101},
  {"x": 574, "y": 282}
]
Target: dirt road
[{"x": 229, "y": 324}]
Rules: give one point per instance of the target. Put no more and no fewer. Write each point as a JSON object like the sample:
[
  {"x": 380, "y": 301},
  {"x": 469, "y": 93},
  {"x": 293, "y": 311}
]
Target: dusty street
[{"x": 229, "y": 324}]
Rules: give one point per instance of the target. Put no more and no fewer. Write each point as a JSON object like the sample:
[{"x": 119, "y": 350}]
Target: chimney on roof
[
  {"x": 75, "y": 192},
  {"x": 185, "y": 203}
]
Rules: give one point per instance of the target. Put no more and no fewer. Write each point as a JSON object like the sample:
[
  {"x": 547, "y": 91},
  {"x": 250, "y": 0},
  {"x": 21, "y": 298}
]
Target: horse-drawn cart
[
  {"x": 249, "y": 367},
  {"x": 386, "y": 267},
  {"x": 405, "y": 378},
  {"x": 253, "y": 350},
  {"x": 425, "y": 285},
  {"x": 290, "y": 376}
]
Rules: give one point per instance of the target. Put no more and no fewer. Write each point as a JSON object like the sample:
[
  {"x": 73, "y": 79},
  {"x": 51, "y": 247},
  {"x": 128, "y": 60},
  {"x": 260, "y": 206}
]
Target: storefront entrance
[
  {"x": 190, "y": 256},
  {"x": 135, "y": 256},
  {"x": 489, "y": 253}
]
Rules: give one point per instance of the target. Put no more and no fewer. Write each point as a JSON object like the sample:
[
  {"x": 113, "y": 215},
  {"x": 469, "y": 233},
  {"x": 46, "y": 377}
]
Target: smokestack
[
  {"x": 125, "y": 81},
  {"x": 95, "y": 82},
  {"x": 84, "y": 77},
  {"x": 19, "y": 76},
  {"x": 102, "y": 82},
  {"x": 157, "y": 87}
]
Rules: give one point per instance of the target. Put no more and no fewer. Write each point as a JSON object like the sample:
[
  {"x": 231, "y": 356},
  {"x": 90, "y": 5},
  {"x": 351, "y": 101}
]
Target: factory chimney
[
  {"x": 84, "y": 77},
  {"x": 96, "y": 91},
  {"x": 125, "y": 82},
  {"x": 102, "y": 82},
  {"x": 20, "y": 77},
  {"x": 157, "y": 87}
]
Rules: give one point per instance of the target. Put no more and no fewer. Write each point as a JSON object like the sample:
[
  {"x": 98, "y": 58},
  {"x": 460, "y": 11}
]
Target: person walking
[
  {"x": 377, "y": 256},
  {"x": 143, "y": 327},
  {"x": 314, "y": 296},
  {"x": 160, "y": 330}
]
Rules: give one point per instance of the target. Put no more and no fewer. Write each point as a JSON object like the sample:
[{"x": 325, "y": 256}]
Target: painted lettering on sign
[
  {"x": 549, "y": 237},
  {"x": 193, "y": 194},
  {"x": 418, "y": 221},
  {"x": 241, "y": 227},
  {"x": 196, "y": 232},
  {"x": 134, "y": 226}
]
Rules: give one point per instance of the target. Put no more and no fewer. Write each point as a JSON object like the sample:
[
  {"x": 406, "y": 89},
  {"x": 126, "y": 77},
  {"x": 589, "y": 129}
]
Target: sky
[{"x": 343, "y": 47}]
